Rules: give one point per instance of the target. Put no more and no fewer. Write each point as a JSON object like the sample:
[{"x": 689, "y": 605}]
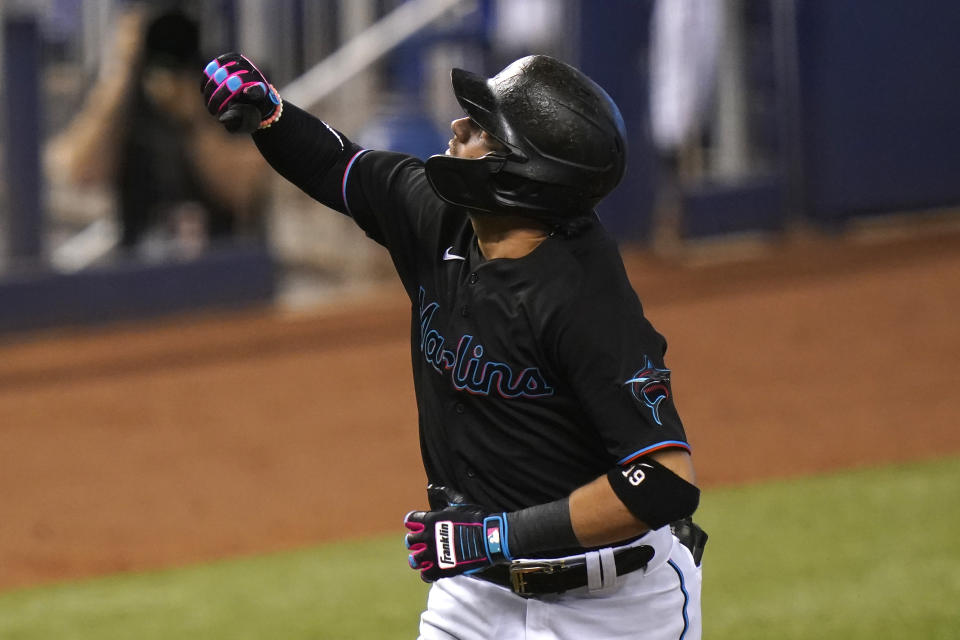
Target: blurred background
[
  {"x": 747, "y": 119},
  {"x": 198, "y": 362}
]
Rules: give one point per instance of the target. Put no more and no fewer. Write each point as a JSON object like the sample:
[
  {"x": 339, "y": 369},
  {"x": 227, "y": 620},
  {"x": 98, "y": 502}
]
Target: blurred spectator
[
  {"x": 685, "y": 41},
  {"x": 685, "y": 37},
  {"x": 179, "y": 180}
]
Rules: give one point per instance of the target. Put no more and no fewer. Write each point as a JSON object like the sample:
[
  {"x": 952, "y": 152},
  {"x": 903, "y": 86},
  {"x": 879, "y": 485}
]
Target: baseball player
[{"x": 561, "y": 482}]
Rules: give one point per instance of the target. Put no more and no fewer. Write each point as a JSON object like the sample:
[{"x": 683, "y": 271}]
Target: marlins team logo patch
[{"x": 650, "y": 387}]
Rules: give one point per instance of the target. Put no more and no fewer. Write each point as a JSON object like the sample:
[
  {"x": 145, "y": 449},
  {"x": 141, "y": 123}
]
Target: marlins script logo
[
  {"x": 650, "y": 386},
  {"x": 469, "y": 370}
]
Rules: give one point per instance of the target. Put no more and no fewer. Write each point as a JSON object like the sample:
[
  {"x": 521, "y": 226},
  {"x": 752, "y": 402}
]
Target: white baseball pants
[{"x": 661, "y": 602}]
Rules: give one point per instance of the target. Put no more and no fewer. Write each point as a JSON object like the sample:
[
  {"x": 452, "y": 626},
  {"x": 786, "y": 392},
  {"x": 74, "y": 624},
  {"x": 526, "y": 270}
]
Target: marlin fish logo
[{"x": 650, "y": 386}]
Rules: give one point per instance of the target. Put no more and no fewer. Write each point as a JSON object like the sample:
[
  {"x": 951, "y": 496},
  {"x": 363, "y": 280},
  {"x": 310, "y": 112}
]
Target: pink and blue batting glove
[
  {"x": 238, "y": 95},
  {"x": 455, "y": 540}
]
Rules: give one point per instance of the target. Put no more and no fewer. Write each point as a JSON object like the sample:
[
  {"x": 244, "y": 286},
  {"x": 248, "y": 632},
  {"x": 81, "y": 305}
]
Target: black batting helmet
[{"x": 565, "y": 139}]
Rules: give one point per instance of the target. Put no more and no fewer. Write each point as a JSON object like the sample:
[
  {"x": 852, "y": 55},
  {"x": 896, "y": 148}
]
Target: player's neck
[{"x": 508, "y": 236}]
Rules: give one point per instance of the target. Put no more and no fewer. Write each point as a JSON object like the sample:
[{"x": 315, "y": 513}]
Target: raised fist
[{"x": 238, "y": 95}]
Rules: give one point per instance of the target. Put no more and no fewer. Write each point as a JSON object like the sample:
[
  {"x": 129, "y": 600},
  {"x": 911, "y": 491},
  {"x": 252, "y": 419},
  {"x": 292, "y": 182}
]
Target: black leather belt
[{"x": 530, "y": 578}]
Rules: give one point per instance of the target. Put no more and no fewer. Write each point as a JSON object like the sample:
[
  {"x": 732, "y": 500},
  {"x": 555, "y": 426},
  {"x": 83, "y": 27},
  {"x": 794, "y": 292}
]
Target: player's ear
[{"x": 494, "y": 145}]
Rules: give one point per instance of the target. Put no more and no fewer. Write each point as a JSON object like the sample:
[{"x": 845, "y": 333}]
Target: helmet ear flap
[
  {"x": 550, "y": 202},
  {"x": 483, "y": 184},
  {"x": 516, "y": 188},
  {"x": 465, "y": 182}
]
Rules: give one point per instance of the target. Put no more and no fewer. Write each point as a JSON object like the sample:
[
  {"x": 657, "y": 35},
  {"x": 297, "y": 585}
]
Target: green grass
[
  {"x": 360, "y": 589},
  {"x": 865, "y": 554}
]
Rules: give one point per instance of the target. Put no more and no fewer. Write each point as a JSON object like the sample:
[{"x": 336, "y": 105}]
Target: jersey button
[
  {"x": 471, "y": 473},
  {"x": 459, "y": 408},
  {"x": 465, "y": 311},
  {"x": 474, "y": 277}
]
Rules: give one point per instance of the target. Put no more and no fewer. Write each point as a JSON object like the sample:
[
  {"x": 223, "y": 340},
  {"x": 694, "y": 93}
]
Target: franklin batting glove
[
  {"x": 454, "y": 540},
  {"x": 238, "y": 95}
]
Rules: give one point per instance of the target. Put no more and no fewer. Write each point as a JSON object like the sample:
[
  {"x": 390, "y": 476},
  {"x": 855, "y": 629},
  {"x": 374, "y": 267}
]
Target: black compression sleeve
[
  {"x": 544, "y": 527},
  {"x": 307, "y": 152}
]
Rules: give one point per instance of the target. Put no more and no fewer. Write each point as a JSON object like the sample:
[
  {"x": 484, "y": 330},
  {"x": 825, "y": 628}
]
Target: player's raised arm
[
  {"x": 300, "y": 147},
  {"x": 322, "y": 161}
]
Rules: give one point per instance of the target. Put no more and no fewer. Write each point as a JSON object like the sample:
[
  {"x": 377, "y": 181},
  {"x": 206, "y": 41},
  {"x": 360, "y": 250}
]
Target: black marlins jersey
[{"x": 534, "y": 375}]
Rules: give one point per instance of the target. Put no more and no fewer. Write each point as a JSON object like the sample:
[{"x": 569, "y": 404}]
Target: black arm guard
[
  {"x": 654, "y": 493},
  {"x": 542, "y": 528}
]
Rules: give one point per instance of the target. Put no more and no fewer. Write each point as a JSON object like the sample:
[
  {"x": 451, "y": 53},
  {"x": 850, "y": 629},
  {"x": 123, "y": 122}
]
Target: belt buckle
[{"x": 520, "y": 568}]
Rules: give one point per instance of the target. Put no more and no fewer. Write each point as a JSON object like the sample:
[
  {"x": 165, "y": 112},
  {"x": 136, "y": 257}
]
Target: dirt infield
[{"x": 206, "y": 437}]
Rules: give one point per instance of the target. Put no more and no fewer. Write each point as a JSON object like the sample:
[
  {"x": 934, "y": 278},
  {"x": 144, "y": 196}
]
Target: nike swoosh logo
[{"x": 451, "y": 256}]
